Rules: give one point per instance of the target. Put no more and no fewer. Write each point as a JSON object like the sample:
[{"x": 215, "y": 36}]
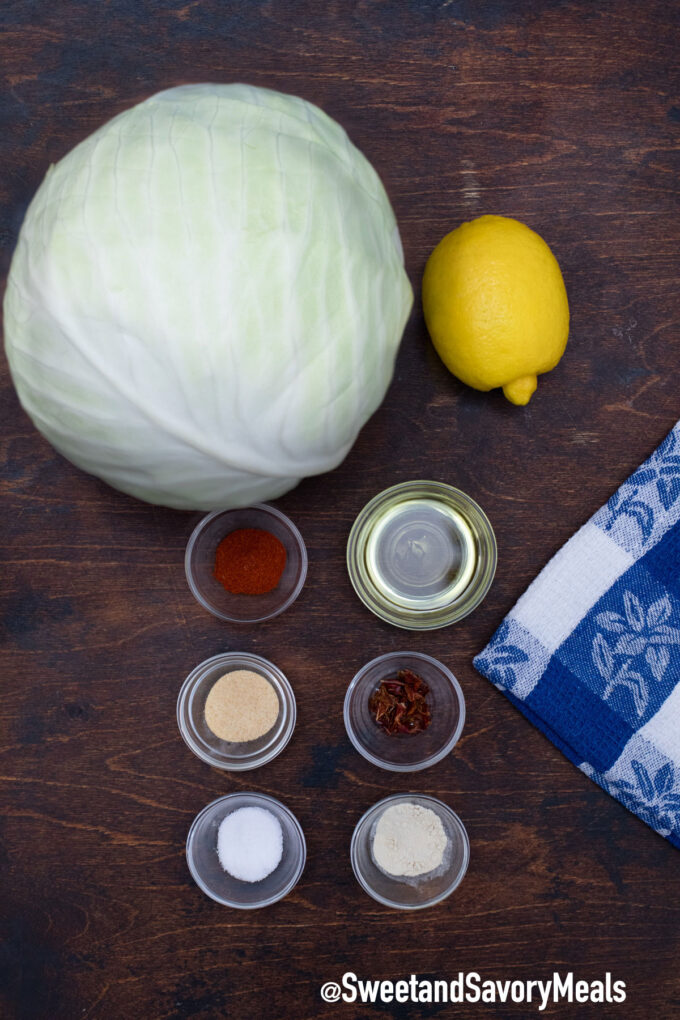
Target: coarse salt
[{"x": 250, "y": 843}]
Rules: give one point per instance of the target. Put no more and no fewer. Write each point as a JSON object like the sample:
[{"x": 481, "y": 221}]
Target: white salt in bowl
[
  {"x": 406, "y": 893},
  {"x": 222, "y": 754},
  {"x": 210, "y": 876}
]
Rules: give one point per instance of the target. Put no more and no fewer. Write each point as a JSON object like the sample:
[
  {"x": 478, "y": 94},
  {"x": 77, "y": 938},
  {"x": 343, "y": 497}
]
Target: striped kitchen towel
[{"x": 591, "y": 651}]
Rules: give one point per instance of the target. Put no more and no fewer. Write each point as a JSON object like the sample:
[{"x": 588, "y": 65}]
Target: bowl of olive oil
[{"x": 421, "y": 555}]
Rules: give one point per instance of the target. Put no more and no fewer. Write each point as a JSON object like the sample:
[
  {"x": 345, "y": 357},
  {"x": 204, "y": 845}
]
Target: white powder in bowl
[
  {"x": 250, "y": 843},
  {"x": 409, "y": 840}
]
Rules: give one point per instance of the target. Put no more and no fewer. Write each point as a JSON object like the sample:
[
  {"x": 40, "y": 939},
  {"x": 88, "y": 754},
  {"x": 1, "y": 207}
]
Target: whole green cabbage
[{"x": 207, "y": 297}]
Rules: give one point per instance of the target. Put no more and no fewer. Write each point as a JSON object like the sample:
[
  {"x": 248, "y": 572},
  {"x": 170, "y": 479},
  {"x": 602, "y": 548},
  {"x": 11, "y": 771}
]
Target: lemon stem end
[{"x": 519, "y": 391}]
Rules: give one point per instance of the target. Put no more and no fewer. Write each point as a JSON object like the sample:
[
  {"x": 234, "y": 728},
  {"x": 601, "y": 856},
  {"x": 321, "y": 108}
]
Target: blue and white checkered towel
[{"x": 591, "y": 651}]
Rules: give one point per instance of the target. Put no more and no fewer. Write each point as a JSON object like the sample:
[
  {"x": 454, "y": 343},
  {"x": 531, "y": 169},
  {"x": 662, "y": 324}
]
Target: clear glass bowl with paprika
[{"x": 246, "y": 565}]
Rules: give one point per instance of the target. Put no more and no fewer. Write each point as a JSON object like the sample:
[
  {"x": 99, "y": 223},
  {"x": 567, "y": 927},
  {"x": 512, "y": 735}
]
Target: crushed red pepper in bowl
[{"x": 399, "y": 705}]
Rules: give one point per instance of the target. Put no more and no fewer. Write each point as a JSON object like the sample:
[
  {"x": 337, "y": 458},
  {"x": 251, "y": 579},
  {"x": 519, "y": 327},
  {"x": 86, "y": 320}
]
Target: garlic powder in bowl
[
  {"x": 409, "y": 851},
  {"x": 409, "y": 840}
]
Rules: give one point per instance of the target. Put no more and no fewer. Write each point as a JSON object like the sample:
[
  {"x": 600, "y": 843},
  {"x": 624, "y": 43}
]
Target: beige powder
[
  {"x": 409, "y": 840},
  {"x": 241, "y": 706}
]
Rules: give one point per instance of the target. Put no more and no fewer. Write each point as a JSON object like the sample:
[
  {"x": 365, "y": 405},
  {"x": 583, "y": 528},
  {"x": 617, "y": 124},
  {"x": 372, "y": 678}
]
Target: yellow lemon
[{"x": 496, "y": 306}]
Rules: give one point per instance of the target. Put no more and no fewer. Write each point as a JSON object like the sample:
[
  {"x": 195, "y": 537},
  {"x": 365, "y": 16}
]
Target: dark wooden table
[{"x": 565, "y": 115}]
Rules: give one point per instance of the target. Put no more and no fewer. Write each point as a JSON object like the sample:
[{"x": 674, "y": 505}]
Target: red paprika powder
[{"x": 249, "y": 561}]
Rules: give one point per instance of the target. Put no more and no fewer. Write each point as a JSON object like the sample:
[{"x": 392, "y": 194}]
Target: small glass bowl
[
  {"x": 407, "y": 752},
  {"x": 222, "y": 754},
  {"x": 424, "y": 890},
  {"x": 421, "y": 555},
  {"x": 199, "y": 563},
  {"x": 210, "y": 876}
]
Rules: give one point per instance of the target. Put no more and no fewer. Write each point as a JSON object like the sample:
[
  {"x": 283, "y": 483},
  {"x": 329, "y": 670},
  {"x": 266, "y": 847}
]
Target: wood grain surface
[{"x": 563, "y": 114}]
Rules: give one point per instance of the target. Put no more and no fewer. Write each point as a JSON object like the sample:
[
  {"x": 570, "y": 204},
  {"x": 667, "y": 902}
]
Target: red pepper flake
[
  {"x": 249, "y": 561},
  {"x": 399, "y": 704}
]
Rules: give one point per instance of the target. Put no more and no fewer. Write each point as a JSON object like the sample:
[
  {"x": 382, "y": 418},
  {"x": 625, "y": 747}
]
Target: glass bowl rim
[
  {"x": 432, "y": 759},
  {"x": 454, "y": 820},
  {"x": 274, "y": 675},
  {"x": 434, "y": 619},
  {"x": 260, "y": 798},
  {"x": 297, "y": 538}
]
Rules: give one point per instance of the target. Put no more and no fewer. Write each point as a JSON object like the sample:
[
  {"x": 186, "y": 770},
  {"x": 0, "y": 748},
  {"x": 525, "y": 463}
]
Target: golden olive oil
[{"x": 421, "y": 553}]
